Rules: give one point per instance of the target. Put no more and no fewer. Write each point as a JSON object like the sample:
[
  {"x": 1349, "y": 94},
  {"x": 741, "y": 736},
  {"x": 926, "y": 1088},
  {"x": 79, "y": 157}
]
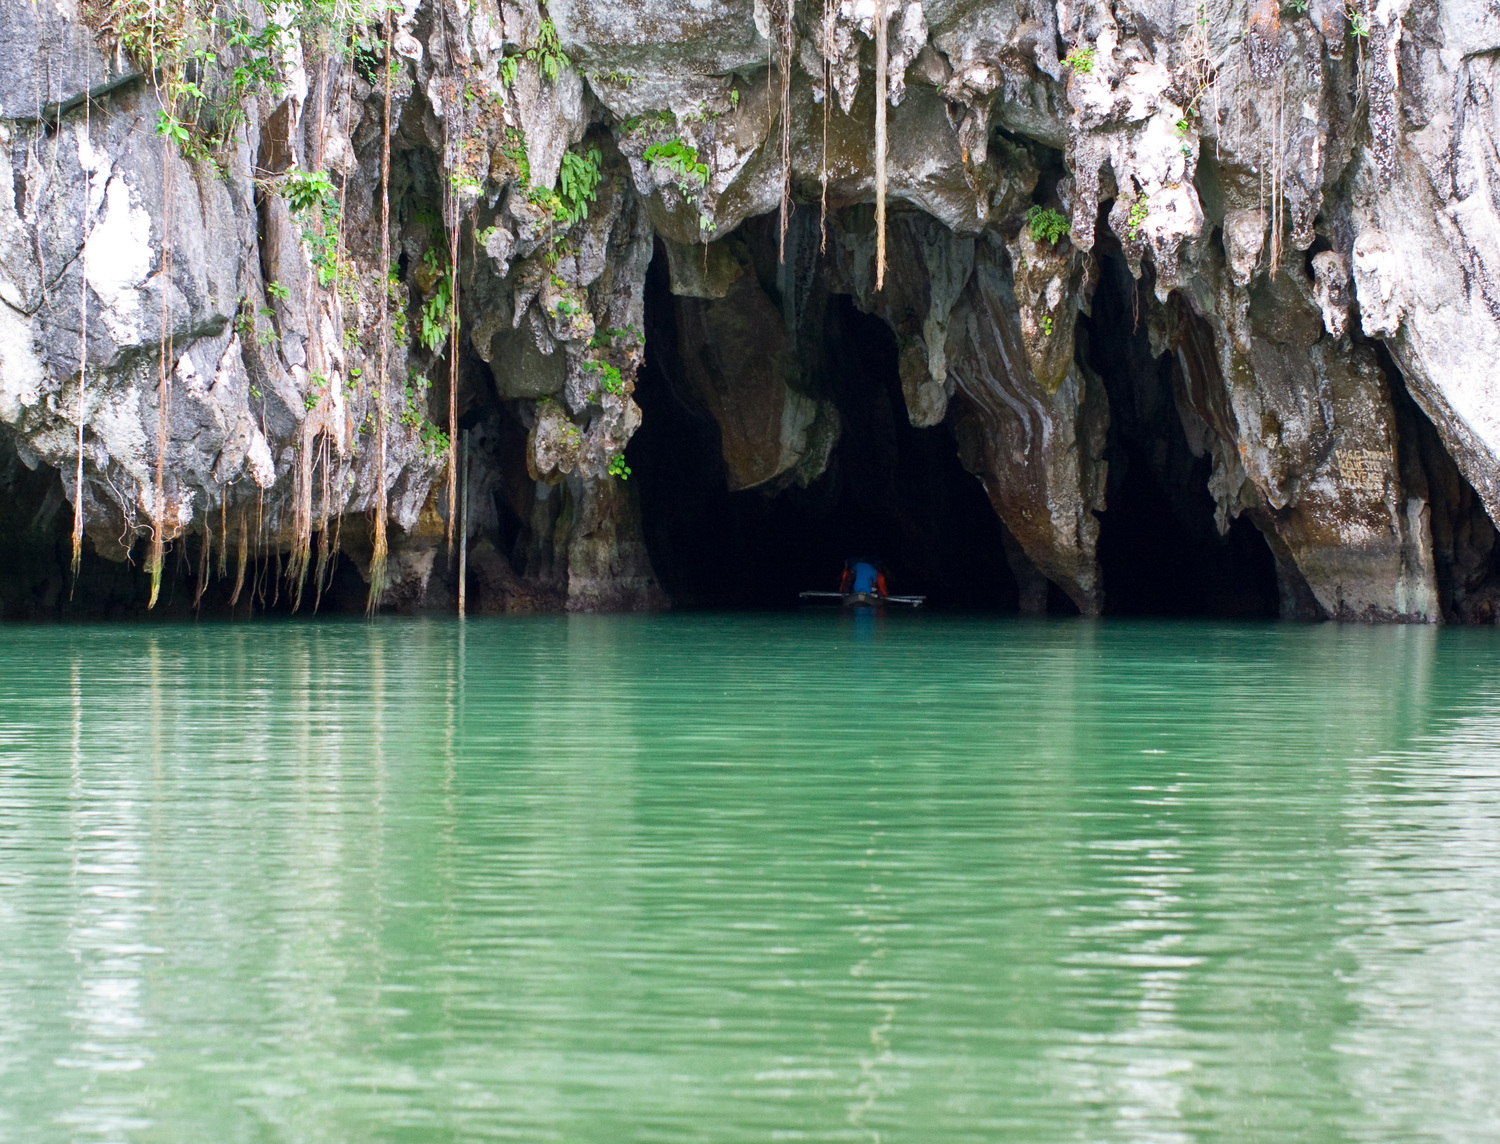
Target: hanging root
[
  {"x": 297, "y": 559},
  {"x": 243, "y": 557},
  {"x": 882, "y": 53},
  {"x": 1278, "y": 180},
  {"x": 451, "y": 195},
  {"x": 828, "y": 21},
  {"x": 83, "y": 357},
  {"x": 325, "y": 456},
  {"x": 379, "y": 552},
  {"x": 163, "y": 380},
  {"x": 787, "y": 47},
  {"x": 205, "y": 558}
]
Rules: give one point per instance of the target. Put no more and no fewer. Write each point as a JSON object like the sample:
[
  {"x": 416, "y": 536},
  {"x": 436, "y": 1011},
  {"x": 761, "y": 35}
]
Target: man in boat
[{"x": 863, "y": 577}]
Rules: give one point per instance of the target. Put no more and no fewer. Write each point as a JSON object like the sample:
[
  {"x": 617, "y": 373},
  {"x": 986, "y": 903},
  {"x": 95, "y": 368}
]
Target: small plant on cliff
[
  {"x": 546, "y": 52},
  {"x": 681, "y": 159},
  {"x": 1080, "y": 60},
  {"x": 618, "y": 467},
  {"x": 436, "y": 318},
  {"x": 434, "y": 441},
  {"x": 605, "y": 339},
  {"x": 1359, "y": 22},
  {"x": 306, "y": 190},
  {"x": 578, "y": 184},
  {"x": 1046, "y": 224},
  {"x": 314, "y": 202},
  {"x": 1136, "y": 219},
  {"x": 610, "y": 380}
]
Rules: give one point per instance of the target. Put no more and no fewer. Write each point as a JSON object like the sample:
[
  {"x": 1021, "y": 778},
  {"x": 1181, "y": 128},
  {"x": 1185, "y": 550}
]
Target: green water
[{"x": 816, "y": 877}]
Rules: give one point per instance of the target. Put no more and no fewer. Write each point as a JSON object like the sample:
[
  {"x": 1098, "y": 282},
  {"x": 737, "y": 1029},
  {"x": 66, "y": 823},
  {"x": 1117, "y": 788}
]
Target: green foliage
[
  {"x": 1359, "y": 23},
  {"x": 306, "y": 190},
  {"x": 314, "y": 202},
  {"x": 546, "y": 53},
  {"x": 203, "y": 63},
  {"x": 1136, "y": 219},
  {"x": 514, "y": 149},
  {"x": 681, "y": 159},
  {"x": 436, "y": 316},
  {"x": 1046, "y": 224},
  {"x": 618, "y": 467},
  {"x": 463, "y": 182},
  {"x": 321, "y": 233},
  {"x": 605, "y": 339},
  {"x": 1047, "y": 325},
  {"x": 277, "y": 290},
  {"x": 1080, "y": 60},
  {"x": 267, "y": 336},
  {"x": 434, "y": 442},
  {"x": 664, "y": 117},
  {"x": 578, "y": 184},
  {"x": 416, "y": 395},
  {"x": 1296, "y": 6},
  {"x": 610, "y": 380}
]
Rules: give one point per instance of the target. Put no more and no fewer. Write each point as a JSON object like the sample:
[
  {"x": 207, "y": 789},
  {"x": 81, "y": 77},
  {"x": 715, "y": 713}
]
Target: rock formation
[{"x": 1297, "y": 205}]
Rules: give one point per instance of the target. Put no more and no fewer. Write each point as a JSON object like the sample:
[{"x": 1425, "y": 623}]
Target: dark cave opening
[
  {"x": 1160, "y": 551},
  {"x": 890, "y": 491}
]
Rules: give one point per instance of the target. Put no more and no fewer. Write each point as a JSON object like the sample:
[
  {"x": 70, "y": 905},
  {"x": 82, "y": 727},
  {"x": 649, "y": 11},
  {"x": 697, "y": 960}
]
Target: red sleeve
[
  {"x": 845, "y": 580},
  {"x": 880, "y": 583}
]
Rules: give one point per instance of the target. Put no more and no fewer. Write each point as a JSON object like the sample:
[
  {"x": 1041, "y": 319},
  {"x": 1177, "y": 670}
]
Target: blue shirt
[{"x": 864, "y": 577}]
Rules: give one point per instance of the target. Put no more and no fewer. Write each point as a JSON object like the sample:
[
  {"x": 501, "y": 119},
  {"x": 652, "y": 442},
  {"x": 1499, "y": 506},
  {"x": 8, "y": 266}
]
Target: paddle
[{"x": 914, "y": 601}]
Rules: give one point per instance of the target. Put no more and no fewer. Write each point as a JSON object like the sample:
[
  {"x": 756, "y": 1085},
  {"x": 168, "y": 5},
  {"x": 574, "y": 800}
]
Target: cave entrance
[
  {"x": 888, "y": 490},
  {"x": 1160, "y": 552}
]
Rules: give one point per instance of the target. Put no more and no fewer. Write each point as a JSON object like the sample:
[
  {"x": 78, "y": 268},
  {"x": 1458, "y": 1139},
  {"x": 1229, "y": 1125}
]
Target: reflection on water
[{"x": 749, "y": 878}]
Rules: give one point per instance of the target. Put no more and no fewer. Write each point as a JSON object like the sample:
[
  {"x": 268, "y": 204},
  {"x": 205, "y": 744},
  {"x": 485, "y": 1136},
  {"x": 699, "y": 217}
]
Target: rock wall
[{"x": 1305, "y": 203}]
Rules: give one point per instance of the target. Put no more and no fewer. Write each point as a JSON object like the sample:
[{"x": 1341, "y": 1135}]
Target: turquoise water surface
[{"x": 810, "y": 877}]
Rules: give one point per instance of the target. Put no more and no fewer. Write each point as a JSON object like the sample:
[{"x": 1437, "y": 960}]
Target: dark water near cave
[{"x": 749, "y": 878}]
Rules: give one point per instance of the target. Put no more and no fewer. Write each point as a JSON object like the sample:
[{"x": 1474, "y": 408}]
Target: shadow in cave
[
  {"x": 1160, "y": 551},
  {"x": 891, "y": 491}
]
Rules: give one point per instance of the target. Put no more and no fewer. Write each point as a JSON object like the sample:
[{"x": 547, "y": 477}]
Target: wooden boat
[{"x": 864, "y": 599}]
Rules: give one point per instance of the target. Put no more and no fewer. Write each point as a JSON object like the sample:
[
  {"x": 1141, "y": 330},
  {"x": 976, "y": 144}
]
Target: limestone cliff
[{"x": 212, "y": 348}]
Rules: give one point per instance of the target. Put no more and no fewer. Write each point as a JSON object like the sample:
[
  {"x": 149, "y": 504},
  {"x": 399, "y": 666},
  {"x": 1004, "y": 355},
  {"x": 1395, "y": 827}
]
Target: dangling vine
[
  {"x": 163, "y": 381},
  {"x": 379, "y": 551},
  {"x": 83, "y": 357},
  {"x": 881, "y": 64},
  {"x": 829, "y": 10},
  {"x": 788, "y": 44}
]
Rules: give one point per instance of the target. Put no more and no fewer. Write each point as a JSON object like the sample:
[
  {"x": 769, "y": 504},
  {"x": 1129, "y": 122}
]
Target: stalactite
[
  {"x": 882, "y": 53},
  {"x": 378, "y": 554}
]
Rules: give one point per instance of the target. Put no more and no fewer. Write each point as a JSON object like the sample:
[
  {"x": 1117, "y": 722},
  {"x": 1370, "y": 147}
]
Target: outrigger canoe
[{"x": 864, "y": 599}]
